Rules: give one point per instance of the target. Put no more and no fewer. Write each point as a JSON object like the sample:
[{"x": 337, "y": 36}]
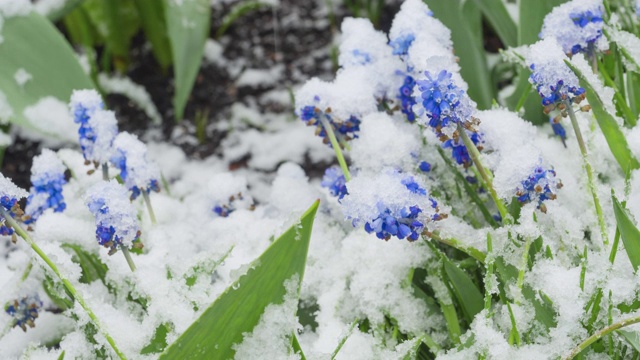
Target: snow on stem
[
  {"x": 600, "y": 334},
  {"x": 589, "y": 169},
  {"x": 67, "y": 284}
]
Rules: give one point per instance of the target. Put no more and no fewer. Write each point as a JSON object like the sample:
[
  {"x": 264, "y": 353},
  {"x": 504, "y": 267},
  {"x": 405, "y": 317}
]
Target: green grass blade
[
  {"x": 32, "y": 43},
  {"x": 151, "y": 13},
  {"x": 239, "y": 308},
  {"x": 188, "y": 27},
  {"x": 237, "y": 11},
  {"x": 158, "y": 342},
  {"x": 532, "y": 13},
  {"x": 608, "y": 124},
  {"x": 468, "y": 295},
  {"x": 297, "y": 349},
  {"x": 464, "y": 20},
  {"x": 628, "y": 232},
  {"x": 497, "y": 14}
]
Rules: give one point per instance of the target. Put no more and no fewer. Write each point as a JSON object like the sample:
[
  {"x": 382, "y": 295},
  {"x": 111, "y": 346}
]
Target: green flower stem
[
  {"x": 147, "y": 201},
  {"x": 587, "y": 166},
  {"x": 523, "y": 265},
  {"x": 484, "y": 173},
  {"x": 336, "y": 147},
  {"x": 67, "y": 284},
  {"x": 105, "y": 172},
  {"x": 489, "y": 275},
  {"x": 600, "y": 334},
  {"x": 127, "y": 256},
  {"x": 469, "y": 250}
]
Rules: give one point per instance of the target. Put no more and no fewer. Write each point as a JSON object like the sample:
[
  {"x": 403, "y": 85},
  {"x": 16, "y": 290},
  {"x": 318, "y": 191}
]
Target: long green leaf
[
  {"x": 465, "y": 290},
  {"x": 632, "y": 337},
  {"x": 629, "y": 233},
  {"x": 532, "y": 13},
  {"x": 188, "y": 26},
  {"x": 500, "y": 20},
  {"x": 239, "y": 308},
  {"x": 464, "y": 20},
  {"x": 32, "y": 43},
  {"x": 610, "y": 129},
  {"x": 151, "y": 13}
]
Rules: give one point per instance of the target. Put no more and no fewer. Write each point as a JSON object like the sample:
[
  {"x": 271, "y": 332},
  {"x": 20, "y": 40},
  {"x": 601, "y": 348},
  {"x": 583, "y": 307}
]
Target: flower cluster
[
  {"x": 541, "y": 185},
  {"x": 116, "y": 220},
  {"x": 401, "y": 44},
  {"x": 445, "y": 103},
  {"x": 223, "y": 210},
  {"x": 98, "y": 127},
  {"x": 344, "y": 130},
  {"x": 24, "y": 311},
  {"x": 555, "y": 82},
  {"x": 47, "y": 179},
  {"x": 576, "y": 25},
  {"x": 138, "y": 173},
  {"x": 9, "y": 196},
  {"x": 390, "y": 204},
  {"x": 335, "y": 181}
]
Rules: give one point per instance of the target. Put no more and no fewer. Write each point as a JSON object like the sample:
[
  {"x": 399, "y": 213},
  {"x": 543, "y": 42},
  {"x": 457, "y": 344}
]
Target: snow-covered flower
[
  {"x": 83, "y": 104},
  {"x": 116, "y": 220},
  {"x": 459, "y": 151},
  {"x": 445, "y": 104},
  {"x": 47, "y": 179},
  {"x": 539, "y": 186},
  {"x": 24, "y": 311},
  {"x": 576, "y": 25},
  {"x": 335, "y": 181},
  {"x": 9, "y": 196},
  {"x": 553, "y": 79},
  {"x": 389, "y": 204},
  {"x": 136, "y": 170},
  {"x": 223, "y": 210},
  {"x": 401, "y": 44},
  {"x": 98, "y": 127},
  {"x": 344, "y": 130}
]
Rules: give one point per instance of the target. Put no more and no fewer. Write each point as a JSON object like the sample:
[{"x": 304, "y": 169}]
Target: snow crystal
[
  {"x": 136, "y": 93},
  {"x": 260, "y": 77},
  {"x": 8, "y": 188},
  {"x": 105, "y": 128},
  {"x": 361, "y": 44},
  {"x": 22, "y": 76},
  {"x": 213, "y": 52},
  {"x": 271, "y": 337},
  {"x": 51, "y": 116},
  {"x": 130, "y": 155}
]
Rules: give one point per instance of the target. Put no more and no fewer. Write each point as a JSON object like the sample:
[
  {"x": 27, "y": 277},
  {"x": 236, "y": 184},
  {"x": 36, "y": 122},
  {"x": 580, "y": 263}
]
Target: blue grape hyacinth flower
[
  {"x": 335, "y": 181},
  {"x": 539, "y": 186},
  {"x": 444, "y": 103},
  {"x": 401, "y": 44},
  {"x": 136, "y": 170},
  {"x": 24, "y": 311},
  {"x": 577, "y": 26},
  {"x": 405, "y": 96},
  {"x": 10, "y": 194},
  {"x": 98, "y": 127},
  {"x": 47, "y": 179},
  {"x": 344, "y": 130},
  {"x": 116, "y": 219}
]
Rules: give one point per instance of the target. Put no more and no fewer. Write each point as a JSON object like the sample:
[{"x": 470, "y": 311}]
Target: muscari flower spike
[
  {"x": 47, "y": 179},
  {"x": 401, "y": 44},
  {"x": 10, "y": 194},
  {"x": 116, "y": 220},
  {"x": 24, "y": 311},
  {"x": 404, "y": 215},
  {"x": 444, "y": 102},
  {"x": 136, "y": 170},
  {"x": 98, "y": 127},
  {"x": 344, "y": 130},
  {"x": 539, "y": 186},
  {"x": 405, "y": 95},
  {"x": 576, "y": 25},
  {"x": 335, "y": 181}
]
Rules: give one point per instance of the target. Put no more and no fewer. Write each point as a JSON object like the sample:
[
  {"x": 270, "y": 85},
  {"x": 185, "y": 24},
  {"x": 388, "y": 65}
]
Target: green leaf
[
  {"x": 240, "y": 307},
  {"x": 236, "y": 12},
  {"x": 151, "y": 13},
  {"x": 158, "y": 342},
  {"x": 629, "y": 233},
  {"x": 632, "y": 337},
  {"x": 464, "y": 20},
  {"x": 61, "y": 357},
  {"x": 612, "y": 133},
  {"x": 32, "y": 43},
  {"x": 92, "y": 267},
  {"x": 60, "y": 297},
  {"x": 532, "y": 13},
  {"x": 468, "y": 295},
  {"x": 295, "y": 344},
  {"x": 188, "y": 26},
  {"x": 497, "y": 14}
]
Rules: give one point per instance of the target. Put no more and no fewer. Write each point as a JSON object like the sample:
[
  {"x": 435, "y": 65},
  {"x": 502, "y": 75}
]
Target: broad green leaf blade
[
  {"x": 612, "y": 133},
  {"x": 532, "y": 13},
  {"x": 466, "y": 28},
  {"x": 32, "y": 43},
  {"x": 240, "y": 307},
  {"x": 188, "y": 26},
  {"x": 151, "y": 13},
  {"x": 629, "y": 233},
  {"x": 465, "y": 290},
  {"x": 632, "y": 337},
  {"x": 500, "y": 20}
]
